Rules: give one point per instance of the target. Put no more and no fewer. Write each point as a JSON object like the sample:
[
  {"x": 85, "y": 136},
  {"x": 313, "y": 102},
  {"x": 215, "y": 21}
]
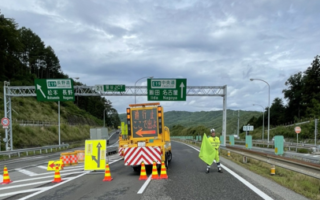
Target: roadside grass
[
  {"x": 28, "y": 137},
  {"x": 299, "y": 183}
]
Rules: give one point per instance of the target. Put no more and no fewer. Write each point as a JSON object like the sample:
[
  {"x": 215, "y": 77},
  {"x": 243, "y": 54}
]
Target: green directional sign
[
  {"x": 54, "y": 89},
  {"x": 110, "y": 88},
  {"x": 167, "y": 89}
]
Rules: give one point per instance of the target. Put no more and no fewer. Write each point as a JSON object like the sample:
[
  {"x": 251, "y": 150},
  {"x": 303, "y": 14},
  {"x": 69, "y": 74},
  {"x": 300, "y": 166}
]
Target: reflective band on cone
[
  {"x": 107, "y": 175},
  {"x": 143, "y": 174},
  {"x": 57, "y": 177},
  {"x": 163, "y": 174},
  {"x": 6, "y": 178},
  {"x": 154, "y": 172}
]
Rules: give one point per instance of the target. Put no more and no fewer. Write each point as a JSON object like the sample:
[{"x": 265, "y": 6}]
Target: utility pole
[{"x": 238, "y": 123}]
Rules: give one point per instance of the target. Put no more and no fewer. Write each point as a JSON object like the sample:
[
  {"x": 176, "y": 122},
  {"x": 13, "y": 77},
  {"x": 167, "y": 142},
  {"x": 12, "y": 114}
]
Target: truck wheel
[
  {"x": 166, "y": 162},
  {"x": 169, "y": 156}
]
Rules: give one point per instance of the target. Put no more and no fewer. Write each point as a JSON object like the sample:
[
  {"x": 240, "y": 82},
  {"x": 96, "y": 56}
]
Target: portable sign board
[{"x": 95, "y": 154}]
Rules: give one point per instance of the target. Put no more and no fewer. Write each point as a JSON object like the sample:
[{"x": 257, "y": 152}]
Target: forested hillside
[
  {"x": 24, "y": 57},
  {"x": 177, "y": 121}
]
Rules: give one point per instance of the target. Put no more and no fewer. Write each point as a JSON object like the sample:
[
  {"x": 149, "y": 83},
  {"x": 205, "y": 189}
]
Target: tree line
[
  {"x": 302, "y": 95},
  {"x": 24, "y": 57}
]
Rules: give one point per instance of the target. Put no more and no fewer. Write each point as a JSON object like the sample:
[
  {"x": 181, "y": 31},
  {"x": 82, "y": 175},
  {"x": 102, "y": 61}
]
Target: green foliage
[
  {"x": 178, "y": 120},
  {"x": 303, "y": 151},
  {"x": 24, "y": 57}
]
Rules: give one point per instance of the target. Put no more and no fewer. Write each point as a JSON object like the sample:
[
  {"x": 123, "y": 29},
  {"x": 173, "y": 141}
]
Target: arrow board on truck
[
  {"x": 144, "y": 123},
  {"x": 95, "y": 154}
]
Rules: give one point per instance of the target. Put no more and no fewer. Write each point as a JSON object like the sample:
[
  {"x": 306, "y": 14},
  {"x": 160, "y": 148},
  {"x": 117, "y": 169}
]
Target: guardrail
[
  {"x": 27, "y": 150},
  {"x": 310, "y": 169}
]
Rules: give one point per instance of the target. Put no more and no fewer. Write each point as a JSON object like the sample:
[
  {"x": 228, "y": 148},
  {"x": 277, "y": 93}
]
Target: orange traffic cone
[
  {"x": 62, "y": 165},
  {"x": 154, "y": 171},
  {"x": 163, "y": 174},
  {"x": 6, "y": 178},
  {"x": 143, "y": 174},
  {"x": 57, "y": 177},
  {"x": 107, "y": 175}
]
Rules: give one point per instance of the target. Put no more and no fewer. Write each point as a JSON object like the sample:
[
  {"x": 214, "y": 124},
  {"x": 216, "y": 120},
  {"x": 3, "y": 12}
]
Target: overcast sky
[{"x": 208, "y": 42}]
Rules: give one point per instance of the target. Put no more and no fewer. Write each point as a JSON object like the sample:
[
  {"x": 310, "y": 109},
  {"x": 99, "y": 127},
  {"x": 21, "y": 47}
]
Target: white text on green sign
[
  {"x": 110, "y": 88},
  {"x": 54, "y": 89},
  {"x": 167, "y": 89}
]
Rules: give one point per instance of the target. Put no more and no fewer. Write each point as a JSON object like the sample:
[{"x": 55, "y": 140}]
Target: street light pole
[
  {"x": 135, "y": 90},
  {"x": 252, "y": 79},
  {"x": 262, "y": 120}
]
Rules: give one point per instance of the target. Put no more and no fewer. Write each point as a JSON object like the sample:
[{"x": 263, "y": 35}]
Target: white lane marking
[
  {"x": 144, "y": 186},
  {"x": 26, "y": 172},
  {"x": 314, "y": 156},
  {"x": 73, "y": 178},
  {"x": 24, "y": 185},
  {"x": 44, "y": 177},
  {"x": 61, "y": 172},
  {"x": 249, "y": 185},
  {"x": 42, "y": 167},
  {"x": 48, "y": 188},
  {"x": 21, "y": 191}
]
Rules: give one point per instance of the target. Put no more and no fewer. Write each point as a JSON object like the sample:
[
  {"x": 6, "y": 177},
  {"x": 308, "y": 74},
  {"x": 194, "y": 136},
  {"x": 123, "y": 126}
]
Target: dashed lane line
[
  {"x": 26, "y": 172},
  {"x": 42, "y": 167}
]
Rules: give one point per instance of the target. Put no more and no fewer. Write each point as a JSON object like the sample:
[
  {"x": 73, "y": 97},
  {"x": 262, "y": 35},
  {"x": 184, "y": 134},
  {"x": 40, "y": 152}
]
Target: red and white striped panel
[
  {"x": 137, "y": 155},
  {"x": 121, "y": 151}
]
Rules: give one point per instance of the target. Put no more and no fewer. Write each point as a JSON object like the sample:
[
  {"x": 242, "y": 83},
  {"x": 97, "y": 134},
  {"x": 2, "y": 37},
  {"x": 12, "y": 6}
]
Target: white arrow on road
[
  {"x": 39, "y": 88},
  {"x": 182, "y": 86}
]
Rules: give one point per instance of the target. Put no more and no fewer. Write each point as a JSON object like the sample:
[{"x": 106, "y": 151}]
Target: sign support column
[
  {"x": 59, "y": 121},
  {"x": 224, "y": 127},
  {"x": 5, "y": 112}
]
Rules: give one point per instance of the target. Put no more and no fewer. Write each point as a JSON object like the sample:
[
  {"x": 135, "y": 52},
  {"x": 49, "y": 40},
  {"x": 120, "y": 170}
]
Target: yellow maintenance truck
[{"x": 146, "y": 138}]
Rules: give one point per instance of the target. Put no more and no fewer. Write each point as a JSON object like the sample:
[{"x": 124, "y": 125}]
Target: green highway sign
[
  {"x": 110, "y": 88},
  {"x": 54, "y": 89},
  {"x": 167, "y": 89}
]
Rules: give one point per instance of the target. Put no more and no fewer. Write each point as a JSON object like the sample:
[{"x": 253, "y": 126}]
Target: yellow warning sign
[
  {"x": 53, "y": 164},
  {"x": 95, "y": 154}
]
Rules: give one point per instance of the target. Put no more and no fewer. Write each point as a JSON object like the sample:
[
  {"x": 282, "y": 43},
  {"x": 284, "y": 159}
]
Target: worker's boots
[
  {"x": 208, "y": 170},
  {"x": 219, "y": 169}
]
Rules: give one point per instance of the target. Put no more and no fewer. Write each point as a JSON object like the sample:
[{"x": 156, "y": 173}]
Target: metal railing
[
  {"x": 42, "y": 123},
  {"x": 27, "y": 150}
]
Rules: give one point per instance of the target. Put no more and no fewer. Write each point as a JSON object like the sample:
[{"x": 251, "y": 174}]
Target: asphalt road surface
[{"x": 187, "y": 180}]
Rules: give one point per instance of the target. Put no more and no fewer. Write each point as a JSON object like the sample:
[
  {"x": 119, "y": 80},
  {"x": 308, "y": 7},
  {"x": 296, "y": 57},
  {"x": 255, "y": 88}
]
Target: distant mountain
[{"x": 209, "y": 119}]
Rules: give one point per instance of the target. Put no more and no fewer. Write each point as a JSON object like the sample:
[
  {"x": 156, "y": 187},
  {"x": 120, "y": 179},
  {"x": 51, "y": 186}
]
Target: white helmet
[{"x": 212, "y": 130}]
